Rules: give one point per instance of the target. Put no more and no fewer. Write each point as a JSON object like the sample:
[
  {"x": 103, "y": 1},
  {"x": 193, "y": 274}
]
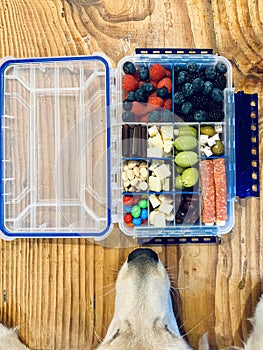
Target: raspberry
[
  {"x": 165, "y": 82},
  {"x": 168, "y": 73},
  {"x": 138, "y": 108},
  {"x": 168, "y": 104},
  {"x": 155, "y": 100},
  {"x": 157, "y": 72},
  {"x": 129, "y": 83},
  {"x": 154, "y": 83}
]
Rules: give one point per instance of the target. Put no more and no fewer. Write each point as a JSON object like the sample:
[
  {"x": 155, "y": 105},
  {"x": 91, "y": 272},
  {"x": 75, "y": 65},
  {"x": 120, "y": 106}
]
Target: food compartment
[
  {"x": 135, "y": 210},
  {"x": 135, "y": 176},
  {"x": 185, "y": 102},
  {"x": 54, "y": 145}
]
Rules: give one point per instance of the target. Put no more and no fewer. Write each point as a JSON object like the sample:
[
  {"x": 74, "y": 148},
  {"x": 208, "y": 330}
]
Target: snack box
[{"x": 149, "y": 145}]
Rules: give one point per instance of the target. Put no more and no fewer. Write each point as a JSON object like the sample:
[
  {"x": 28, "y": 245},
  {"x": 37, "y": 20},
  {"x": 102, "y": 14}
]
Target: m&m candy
[
  {"x": 137, "y": 221},
  {"x": 143, "y": 203},
  {"x": 127, "y": 218},
  {"x": 127, "y": 208},
  {"x": 127, "y": 200},
  {"x": 144, "y": 214},
  {"x": 136, "y": 211}
]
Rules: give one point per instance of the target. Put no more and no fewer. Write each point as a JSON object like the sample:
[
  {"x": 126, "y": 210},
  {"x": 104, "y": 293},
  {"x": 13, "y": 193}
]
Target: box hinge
[{"x": 247, "y": 145}]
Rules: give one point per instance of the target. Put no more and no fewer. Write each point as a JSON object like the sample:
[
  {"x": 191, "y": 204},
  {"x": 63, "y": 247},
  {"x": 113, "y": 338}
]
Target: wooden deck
[{"x": 61, "y": 292}]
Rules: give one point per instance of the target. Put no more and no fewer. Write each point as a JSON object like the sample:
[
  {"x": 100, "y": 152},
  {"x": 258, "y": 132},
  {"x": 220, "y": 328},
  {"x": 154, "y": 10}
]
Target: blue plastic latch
[{"x": 247, "y": 159}]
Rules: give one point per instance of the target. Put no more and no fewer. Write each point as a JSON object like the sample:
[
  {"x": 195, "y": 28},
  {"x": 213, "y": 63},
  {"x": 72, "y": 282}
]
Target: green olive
[
  {"x": 186, "y": 159},
  {"x": 207, "y": 130},
  {"x": 178, "y": 183},
  {"x": 187, "y": 130},
  {"x": 185, "y": 143},
  {"x": 190, "y": 177},
  {"x": 179, "y": 169},
  {"x": 218, "y": 149}
]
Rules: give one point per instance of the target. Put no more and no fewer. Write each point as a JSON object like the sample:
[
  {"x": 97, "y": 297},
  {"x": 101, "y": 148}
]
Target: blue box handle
[
  {"x": 174, "y": 51},
  {"x": 247, "y": 159}
]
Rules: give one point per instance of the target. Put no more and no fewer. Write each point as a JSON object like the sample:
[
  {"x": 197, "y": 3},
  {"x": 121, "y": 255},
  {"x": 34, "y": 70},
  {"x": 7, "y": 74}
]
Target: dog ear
[{"x": 203, "y": 342}]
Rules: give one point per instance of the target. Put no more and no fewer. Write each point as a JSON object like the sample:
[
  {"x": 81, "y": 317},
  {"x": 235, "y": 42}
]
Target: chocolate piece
[
  {"x": 139, "y": 141},
  {"x": 134, "y": 140},
  {"x": 144, "y": 142},
  {"x": 125, "y": 140}
]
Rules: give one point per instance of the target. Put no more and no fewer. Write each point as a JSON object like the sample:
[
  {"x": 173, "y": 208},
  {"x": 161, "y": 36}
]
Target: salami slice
[
  {"x": 208, "y": 192},
  {"x": 220, "y": 190}
]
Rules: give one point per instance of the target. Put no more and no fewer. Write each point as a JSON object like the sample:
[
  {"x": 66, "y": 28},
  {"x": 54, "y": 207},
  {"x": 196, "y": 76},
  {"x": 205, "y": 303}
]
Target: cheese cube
[
  {"x": 204, "y": 139},
  {"x": 154, "y": 152},
  {"x": 155, "y": 184},
  {"x": 211, "y": 142},
  {"x": 216, "y": 137},
  {"x": 169, "y": 217},
  {"x": 166, "y": 198},
  {"x": 166, "y": 208},
  {"x": 153, "y": 131},
  {"x": 157, "y": 141},
  {"x": 166, "y": 184},
  {"x": 163, "y": 171},
  {"x": 155, "y": 202},
  {"x": 207, "y": 151},
  {"x": 151, "y": 216},
  {"x": 167, "y": 146},
  {"x": 159, "y": 219},
  {"x": 167, "y": 132},
  {"x": 218, "y": 128}
]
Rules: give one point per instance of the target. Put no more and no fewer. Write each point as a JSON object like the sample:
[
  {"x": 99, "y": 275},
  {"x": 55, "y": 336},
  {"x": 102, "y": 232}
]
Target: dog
[{"x": 143, "y": 318}]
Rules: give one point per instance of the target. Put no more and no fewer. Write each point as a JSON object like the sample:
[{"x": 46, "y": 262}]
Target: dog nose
[{"x": 143, "y": 253}]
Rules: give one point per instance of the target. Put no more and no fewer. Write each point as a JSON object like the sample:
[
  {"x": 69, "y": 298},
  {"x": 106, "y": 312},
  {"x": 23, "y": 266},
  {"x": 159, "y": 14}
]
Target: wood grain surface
[{"x": 61, "y": 292}]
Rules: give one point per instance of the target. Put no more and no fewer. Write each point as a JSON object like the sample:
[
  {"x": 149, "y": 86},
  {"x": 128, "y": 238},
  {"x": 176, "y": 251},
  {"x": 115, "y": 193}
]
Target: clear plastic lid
[{"x": 55, "y": 140}]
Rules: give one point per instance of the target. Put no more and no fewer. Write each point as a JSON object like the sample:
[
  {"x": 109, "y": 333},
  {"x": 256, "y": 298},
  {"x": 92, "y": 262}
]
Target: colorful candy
[
  {"x": 136, "y": 214},
  {"x": 136, "y": 211}
]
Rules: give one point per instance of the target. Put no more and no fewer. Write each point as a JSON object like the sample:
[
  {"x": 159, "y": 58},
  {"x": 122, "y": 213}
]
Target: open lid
[{"x": 55, "y": 147}]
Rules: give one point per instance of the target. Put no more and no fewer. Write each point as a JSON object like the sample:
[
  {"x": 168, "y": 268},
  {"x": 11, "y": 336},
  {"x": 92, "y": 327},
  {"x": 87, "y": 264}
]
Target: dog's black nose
[{"x": 143, "y": 253}]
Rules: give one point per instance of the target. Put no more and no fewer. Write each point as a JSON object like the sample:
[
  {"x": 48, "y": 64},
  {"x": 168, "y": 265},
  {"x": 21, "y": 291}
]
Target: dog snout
[{"x": 142, "y": 254}]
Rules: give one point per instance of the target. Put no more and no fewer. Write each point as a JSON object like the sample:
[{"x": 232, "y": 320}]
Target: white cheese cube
[
  {"x": 166, "y": 184},
  {"x": 143, "y": 186},
  {"x": 211, "y": 142},
  {"x": 207, "y": 151},
  {"x": 163, "y": 171},
  {"x": 159, "y": 219},
  {"x": 157, "y": 141},
  {"x": 155, "y": 202},
  {"x": 218, "y": 129},
  {"x": 167, "y": 146},
  {"x": 204, "y": 139},
  {"x": 166, "y": 208},
  {"x": 154, "y": 152},
  {"x": 151, "y": 217},
  {"x": 166, "y": 132},
  {"x": 176, "y": 132},
  {"x": 155, "y": 184},
  {"x": 169, "y": 217},
  {"x": 216, "y": 137},
  {"x": 166, "y": 198},
  {"x": 153, "y": 131}
]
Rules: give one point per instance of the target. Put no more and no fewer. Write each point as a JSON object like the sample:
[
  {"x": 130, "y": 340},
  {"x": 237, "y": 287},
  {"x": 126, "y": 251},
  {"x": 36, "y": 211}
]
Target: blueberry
[
  {"x": 183, "y": 77},
  {"x": 129, "y": 68},
  {"x": 143, "y": 73},
  {"x": 187, "y": 90},
  {"x": 210, "y": 73},
  {"x": 221, "y": 67},
  {"x": 200, "y": 116},
  {"x": 154, "y": 116},
  {"x": 128, "y": 116},
  {"x": 198, "y": 84},
  {"x": 192, "y": 67},
  {"x": 127, "y": 105},
  {"x": 148, "y": 87},
  {"x": 141, "y": 95},
  {"x": 217, "y": 95},
  {"x": 162, "y": 92},
  {"x": 178, "y": 98},
  {"x": 186, "y": 107},
  {"x": 167, "y": 116},
  {"x": 131, "y": 96},
  {"x": 177, "y": 69},
  {"x": 208, "y": 87}
]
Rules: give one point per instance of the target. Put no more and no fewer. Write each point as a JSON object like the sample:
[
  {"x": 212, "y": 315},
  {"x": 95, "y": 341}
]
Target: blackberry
[
  {"x": 129, "y": 68},
  {"x": 141, "y": 95},
  {"x": 143, "y": 73},
  {"x": 199, "y": 102},
  {"x": 220, "y": 82},
  {"x": 193, "y": 76},
  {"x": 221, "y": 68},
  {"x": 154, "y": 116},
  {"x": 179, "y": 98},
  {"x": 188, "y": 118},
  {"x": 177, "y": 70},
  {"x": 192, "y": 67},
  {"x": 213, "y": 106},
  {"x": 215, "y": 116}
]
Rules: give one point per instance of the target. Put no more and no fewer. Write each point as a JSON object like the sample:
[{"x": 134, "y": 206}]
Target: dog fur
[{"x": 143, "y": 317}]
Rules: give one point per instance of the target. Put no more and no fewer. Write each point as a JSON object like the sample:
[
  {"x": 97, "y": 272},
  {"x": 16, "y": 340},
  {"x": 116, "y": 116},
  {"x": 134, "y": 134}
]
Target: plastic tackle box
[{"x": 80, "y": 152}]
